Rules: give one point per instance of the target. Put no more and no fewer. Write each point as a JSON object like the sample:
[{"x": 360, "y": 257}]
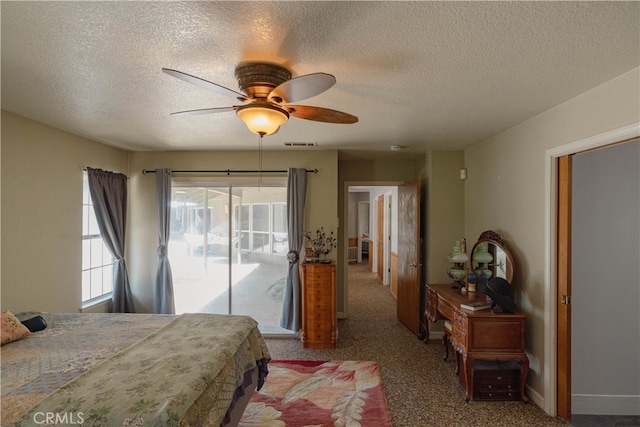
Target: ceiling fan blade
[
  {"x": 320, "y": 114},
  {"x": 205, "y": 84},
  {"x": 204, "y": 111},
  {"x": 302, "y": 87}
]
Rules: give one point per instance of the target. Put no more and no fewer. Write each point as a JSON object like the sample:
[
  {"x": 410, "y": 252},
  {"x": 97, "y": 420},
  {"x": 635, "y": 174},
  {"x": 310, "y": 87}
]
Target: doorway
[
  {"x": 385, "y": 223},
  {"x": 606, "y": 232},
  {"x": 371, "y": 217},
  {"x": 363, "y": 226},
  {"x": 361, "y": 214},
  {"x": 557, "y": 369}
]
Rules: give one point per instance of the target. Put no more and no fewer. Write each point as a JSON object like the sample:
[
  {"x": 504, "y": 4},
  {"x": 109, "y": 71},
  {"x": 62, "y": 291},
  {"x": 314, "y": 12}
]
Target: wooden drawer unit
[
  {"x": 432, "y": 305},
  {"x": 484, "y": 335},
  {"x": 493, "y": 380},
  {"x": 318, "y": 305},
  {"x": 445, "y": 308},
  {"x": 459, "y": 330}
]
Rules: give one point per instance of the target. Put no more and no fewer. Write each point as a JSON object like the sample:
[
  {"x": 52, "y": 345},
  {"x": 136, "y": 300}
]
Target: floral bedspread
[{"x": 129, "y": 369}]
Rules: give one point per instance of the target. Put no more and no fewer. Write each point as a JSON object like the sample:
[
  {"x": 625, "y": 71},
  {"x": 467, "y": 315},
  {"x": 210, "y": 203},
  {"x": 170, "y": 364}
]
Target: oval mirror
[{"x": 491, "y": 257}]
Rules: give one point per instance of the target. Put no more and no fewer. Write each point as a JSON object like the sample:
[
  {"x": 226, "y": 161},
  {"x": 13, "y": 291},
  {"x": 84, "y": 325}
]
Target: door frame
[
  {"x": 388, "y": 230},
  {"x": 379, "y": 252},
  {"x": 362, "y": 209},
  {"x": 345, "y": 234},
  {"x": 550, "y": 377}
]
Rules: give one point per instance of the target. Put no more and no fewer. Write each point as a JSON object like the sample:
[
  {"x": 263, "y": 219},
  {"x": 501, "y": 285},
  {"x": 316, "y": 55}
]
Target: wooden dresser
[
  {"x": 478, "y": 335},
  {"x": 318, "y": 305}
]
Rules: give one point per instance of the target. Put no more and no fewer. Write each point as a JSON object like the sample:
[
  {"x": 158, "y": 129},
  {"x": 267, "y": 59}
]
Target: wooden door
[
  {"x": 564, "y": 289},
  {"x": 409, "y": 264},
  {"x": 380, "y": 238}
]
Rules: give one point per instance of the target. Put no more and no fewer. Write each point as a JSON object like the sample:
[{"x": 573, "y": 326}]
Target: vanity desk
[
  {"x": 480, "y": 335},
  {"x": 487, "y": 337}
]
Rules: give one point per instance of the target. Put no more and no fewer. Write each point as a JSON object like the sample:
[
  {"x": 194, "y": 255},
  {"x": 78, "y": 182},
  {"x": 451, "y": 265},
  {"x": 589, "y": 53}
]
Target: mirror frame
[{"x": 493, "y": 238}]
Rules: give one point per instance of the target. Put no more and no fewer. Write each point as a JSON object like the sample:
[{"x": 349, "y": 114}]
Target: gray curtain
[
  {"x": 109, "y": 196},
  {"x": 163, "y": 302},
  {"x": 296, "y": 193}
]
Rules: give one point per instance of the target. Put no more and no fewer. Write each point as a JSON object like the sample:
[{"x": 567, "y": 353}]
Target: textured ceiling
[{"x": 423, "y": 75}]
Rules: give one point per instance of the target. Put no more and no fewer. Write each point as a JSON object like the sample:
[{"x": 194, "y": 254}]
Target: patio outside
[{"x": 244, "y": 274}]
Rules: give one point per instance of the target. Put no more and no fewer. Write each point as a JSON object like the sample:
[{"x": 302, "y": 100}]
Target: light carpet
[{"x": 301, "y": 393}]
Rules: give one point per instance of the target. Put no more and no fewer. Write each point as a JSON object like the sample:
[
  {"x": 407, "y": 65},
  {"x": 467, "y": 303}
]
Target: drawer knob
[{"x": 499, "y": 378}]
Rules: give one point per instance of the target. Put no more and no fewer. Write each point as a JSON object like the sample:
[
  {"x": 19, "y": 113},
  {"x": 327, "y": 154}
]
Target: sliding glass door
[{"x": 228, "y": 250}]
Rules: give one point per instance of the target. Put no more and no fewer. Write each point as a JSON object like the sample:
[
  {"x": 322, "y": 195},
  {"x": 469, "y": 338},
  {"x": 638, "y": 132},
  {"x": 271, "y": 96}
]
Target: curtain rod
[{"x": 228, "y": 171}]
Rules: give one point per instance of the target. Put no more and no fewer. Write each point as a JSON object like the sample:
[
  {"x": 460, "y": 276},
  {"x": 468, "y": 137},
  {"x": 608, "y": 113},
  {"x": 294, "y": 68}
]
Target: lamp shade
[
  {"x": 263, "y": 119},
  {"x": 482, "y": 256},
  {"x": 459, "y": 257}
]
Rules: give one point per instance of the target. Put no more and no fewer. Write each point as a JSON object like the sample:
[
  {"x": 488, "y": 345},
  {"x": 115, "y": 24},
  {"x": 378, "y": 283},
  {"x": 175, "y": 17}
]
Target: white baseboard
[
  {"x": 593, "y": 404},
  {"x": 534, "y": 396},
  {"x": 436, "y": 335}
]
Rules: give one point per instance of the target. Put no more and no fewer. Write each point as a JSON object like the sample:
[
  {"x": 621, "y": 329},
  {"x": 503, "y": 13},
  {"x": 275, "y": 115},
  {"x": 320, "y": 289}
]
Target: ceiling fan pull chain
[{"x": 260, "y": 161}]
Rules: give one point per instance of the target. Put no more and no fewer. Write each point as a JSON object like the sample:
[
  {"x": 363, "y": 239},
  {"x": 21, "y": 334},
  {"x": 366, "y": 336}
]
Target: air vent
[{"x": 300, "y": 144}]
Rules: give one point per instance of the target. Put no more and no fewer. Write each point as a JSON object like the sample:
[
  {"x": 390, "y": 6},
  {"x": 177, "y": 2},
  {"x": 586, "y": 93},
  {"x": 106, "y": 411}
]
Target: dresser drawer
[
  {"x": 493, "y": 380},
  {"x": 320, "y": 331},
  {"x": 322, "y": 279},
  {"x": 459, "y": 329},
  {"x": 497, "y": 395},
  {"x": 445, "y": 309},
  {"x": 320, "y": 313},
  {"x": 319, "y": 292},
  {"x": 432, "y": 304},
  {"x": 498, "y": 335}
]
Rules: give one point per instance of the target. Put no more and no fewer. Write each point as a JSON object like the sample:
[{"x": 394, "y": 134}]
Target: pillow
[
  {"x": 12, "y": 329},
  {"x": 35, "y": 324}
]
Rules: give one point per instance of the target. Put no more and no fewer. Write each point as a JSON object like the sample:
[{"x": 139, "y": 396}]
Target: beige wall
[
  {"x": 42, "y": 213},
  {"x": 321, "y": 207},
  {"x": 505, "y": 190},
  {"x": 445, "y": 212}
]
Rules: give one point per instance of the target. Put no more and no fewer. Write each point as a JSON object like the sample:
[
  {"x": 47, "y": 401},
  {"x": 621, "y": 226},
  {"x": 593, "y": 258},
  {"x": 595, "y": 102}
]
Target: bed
[{"x": 133, "y": 369}]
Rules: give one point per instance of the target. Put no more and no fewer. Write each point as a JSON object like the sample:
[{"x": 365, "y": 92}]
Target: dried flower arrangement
[{"x": 322, "y": 243}]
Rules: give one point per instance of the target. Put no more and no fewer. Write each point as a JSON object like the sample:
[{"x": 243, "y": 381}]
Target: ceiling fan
[{"x": 266, "y": 91}]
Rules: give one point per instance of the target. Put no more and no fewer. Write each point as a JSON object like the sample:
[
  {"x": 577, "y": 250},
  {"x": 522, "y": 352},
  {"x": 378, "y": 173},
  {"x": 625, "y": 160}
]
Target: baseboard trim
[
  {"x": 534, "y": 396},
  {"x": 436, "y": 335},
  {"x": 593, "y": 404}
]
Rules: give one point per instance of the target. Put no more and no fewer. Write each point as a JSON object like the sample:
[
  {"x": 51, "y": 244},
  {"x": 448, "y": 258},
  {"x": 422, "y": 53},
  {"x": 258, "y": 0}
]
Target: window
[
  {"x": 260, "y": 227},
  {"x": 97, "y": 261},
  {"x": 252, "y": 222},
  {"x": 280, "y": 229},
  {"x": 241, "y": 225}
]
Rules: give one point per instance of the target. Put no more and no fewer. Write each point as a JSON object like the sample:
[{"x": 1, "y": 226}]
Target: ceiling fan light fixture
[{"x": 263, "y": 119}]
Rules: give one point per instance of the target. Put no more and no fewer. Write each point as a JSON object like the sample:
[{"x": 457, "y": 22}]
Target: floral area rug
[{"x": 303, "y": 393}]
